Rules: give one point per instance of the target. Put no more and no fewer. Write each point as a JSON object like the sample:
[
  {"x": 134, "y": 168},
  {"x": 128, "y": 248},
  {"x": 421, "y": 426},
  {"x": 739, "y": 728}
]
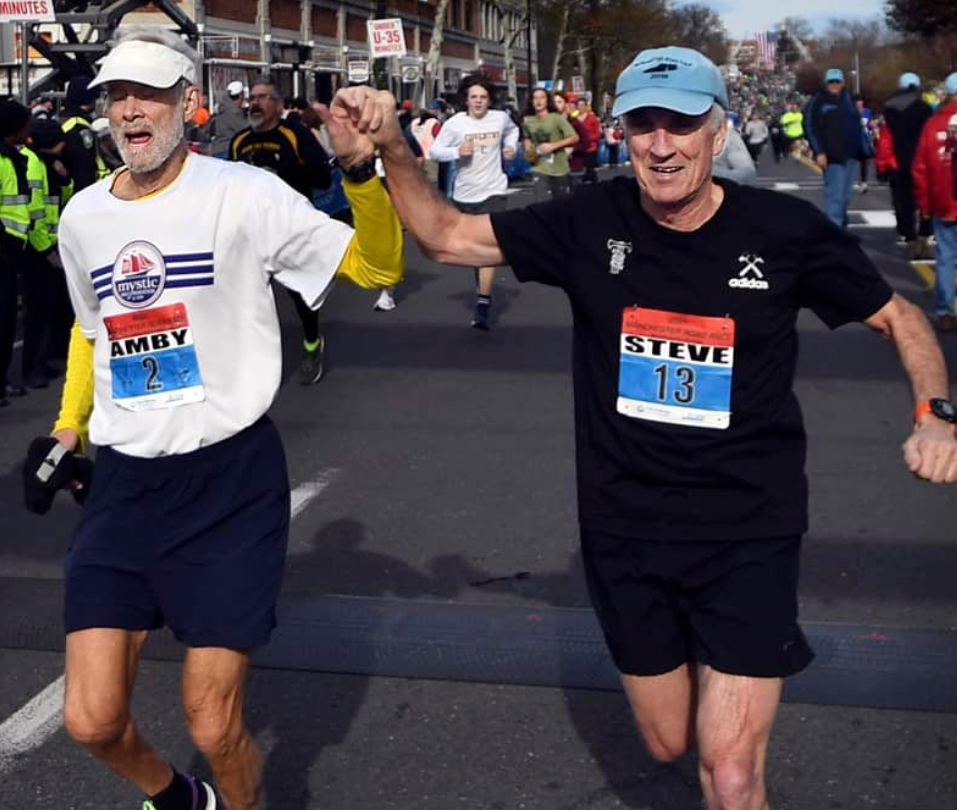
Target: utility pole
[
  {"x": 528, "y": 45},
  {"x": 857, "y": 73},
  {"x": 380, "y": 67},
  {"x": 24, "y": 63}
]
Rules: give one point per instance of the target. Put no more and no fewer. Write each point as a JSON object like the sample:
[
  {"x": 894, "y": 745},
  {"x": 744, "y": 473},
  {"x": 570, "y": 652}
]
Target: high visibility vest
[
  {"x": 14, "y": 202},
  {"x": 78, "y": 121},
  {"x": 55, "y": 203},
  {"x": 792, "y": 123},
  {"x": 39, "y": 236}
]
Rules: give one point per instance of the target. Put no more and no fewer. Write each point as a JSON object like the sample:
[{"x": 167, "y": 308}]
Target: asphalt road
[{"x": 432, "y": 458}]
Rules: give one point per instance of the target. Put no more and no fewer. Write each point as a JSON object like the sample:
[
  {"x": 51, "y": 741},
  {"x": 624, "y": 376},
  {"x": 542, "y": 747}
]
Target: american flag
[{"x": 767, "y": 47}]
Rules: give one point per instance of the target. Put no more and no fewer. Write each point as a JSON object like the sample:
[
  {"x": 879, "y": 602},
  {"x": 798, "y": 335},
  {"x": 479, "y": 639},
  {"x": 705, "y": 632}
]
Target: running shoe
[
  {"x": 946, "y": 323},
  {"x": 204, "y": 797},
  {"x": 385, "y": 302},
  {"x": 310, "y": 369},
  {"x": 480, "y": 317}
]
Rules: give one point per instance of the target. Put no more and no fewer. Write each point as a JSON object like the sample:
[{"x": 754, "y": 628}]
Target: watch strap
[
  {"x": 360, "y": 172},
  {"x": 927, "y": 407}
]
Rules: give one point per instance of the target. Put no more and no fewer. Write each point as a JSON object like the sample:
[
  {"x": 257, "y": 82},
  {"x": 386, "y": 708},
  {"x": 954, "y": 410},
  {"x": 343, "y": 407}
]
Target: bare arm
[
  {"x": 444, "y": 233},
  {"x": 931, "y": 450}
]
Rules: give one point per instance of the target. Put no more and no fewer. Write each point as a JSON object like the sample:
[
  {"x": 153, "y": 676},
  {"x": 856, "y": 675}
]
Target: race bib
[
  {"x": 152, "y": 359},
  {"x": 676, "y": 368}
]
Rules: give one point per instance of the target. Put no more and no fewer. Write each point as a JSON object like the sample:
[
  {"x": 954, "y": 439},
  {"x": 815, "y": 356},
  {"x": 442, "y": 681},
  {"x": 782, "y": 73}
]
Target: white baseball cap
[
  {"x": 148, "y": 63},
  {"x": 235, "y": 89}
]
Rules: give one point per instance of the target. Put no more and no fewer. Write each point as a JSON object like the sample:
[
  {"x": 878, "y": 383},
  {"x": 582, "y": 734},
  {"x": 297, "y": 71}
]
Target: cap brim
[
  {"x": 685, "y": 102},
  {"x": 150, "y": 75}
]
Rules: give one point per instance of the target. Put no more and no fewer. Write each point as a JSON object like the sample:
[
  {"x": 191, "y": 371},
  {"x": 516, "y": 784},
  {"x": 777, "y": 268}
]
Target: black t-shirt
[
  {"x": 290, "y": 150},
  {"x": 708, "y": 351}
]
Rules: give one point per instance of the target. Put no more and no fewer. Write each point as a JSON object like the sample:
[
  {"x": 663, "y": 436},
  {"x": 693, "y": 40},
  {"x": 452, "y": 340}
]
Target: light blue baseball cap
[
  {"x": 908, "y": 80},
  {"x": 677, "y": 79},
  {"x": 950, "y": 84},
  {"x": 834, "y": 75}
]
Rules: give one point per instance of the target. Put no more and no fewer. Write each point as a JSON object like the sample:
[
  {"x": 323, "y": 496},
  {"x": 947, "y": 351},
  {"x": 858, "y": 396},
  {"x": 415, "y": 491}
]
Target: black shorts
[
  {"x": 730, "y": 605},
  {"x": 194, "y": 541},
  {"x": 490, "y": 205}
]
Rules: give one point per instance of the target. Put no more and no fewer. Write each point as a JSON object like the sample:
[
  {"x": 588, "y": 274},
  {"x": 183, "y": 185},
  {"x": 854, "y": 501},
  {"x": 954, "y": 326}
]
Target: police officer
[
  {"x": 690, "y": 444},
  {"x": 85, "y": 164},
  {"x": 15, "y": 221},
  {"x": 53, "y": 311}
]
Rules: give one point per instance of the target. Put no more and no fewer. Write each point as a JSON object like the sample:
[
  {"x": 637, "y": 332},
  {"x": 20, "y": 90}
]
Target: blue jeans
[
  {"x": 946, "y": 270},
  {"x": 838, "y": 185}
]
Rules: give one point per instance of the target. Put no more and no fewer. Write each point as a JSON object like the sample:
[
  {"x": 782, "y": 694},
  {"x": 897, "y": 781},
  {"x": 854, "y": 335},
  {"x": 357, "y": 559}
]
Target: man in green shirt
[{"x": 546, "y": 135}]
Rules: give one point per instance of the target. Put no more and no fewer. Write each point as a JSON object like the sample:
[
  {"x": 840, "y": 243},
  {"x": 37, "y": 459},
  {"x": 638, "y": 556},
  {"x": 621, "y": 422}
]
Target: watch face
[{"x": 943, "y": 409}]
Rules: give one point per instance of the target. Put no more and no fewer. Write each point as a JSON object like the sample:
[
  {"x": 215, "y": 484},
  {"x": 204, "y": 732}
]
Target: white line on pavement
[
  {"x": 304, "y": 493},
  {"x": 31, "y": 725},
  {"x": 875, "y": 219}
]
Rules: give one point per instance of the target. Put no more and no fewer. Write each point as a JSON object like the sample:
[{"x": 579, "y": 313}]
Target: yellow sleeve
[
  {"x": 374, "y": 258},
  {"x": 76, "y": 403}
]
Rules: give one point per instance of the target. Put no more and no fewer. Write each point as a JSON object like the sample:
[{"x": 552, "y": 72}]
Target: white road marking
[
  {"x": 31, "y": 725},
  {"x": 787, "y": 186},
  {"x": 876, "y": 219},
  {"x": 37, "y": 720},
  {"x": 304, "y": 493}
]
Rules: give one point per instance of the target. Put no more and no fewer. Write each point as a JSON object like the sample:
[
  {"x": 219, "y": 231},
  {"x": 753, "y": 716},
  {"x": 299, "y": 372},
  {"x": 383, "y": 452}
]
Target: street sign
[
  {"x": 578, "y": 84},
  {"x": 26, "y": 11},
  {"x": 411, "y": 72},
  {"x": 358, "y": 72},
  {"x": 386, "y": 37}
]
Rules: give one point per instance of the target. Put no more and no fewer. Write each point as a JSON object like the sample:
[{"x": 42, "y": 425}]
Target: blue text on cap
[{"x": 672, "y": 78}]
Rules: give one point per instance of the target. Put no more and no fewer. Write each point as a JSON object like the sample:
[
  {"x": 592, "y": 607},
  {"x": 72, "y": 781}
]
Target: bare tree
[
  {"x": 513, "y": 21},
  {"x": 697, "y": 26},
  {"x": 564, "y": 13},
  {"x": 435, "y": 83}
]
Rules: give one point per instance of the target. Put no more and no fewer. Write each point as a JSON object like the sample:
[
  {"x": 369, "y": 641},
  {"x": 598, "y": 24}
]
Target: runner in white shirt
[
  {"x": 174, "y": 363},
  {"x": 477, "y": 139}
]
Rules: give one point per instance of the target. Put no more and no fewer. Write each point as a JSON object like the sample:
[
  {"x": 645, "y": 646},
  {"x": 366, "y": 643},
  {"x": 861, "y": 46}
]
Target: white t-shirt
[
  {"x": 480, "y": 175},
  {"x": 174, "y": 288}
]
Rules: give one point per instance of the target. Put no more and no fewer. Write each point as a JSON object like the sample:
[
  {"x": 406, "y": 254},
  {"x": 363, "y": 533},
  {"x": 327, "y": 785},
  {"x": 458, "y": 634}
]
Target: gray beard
[{"x": 164, "y": 144}]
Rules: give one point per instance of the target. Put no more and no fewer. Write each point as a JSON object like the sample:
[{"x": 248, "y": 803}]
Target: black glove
[{"x": 50, "y": 467}]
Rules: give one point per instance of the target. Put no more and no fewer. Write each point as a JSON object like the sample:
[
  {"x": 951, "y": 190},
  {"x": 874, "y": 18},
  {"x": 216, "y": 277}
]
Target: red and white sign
[
  {"x": 26, "y": 10},
  {"x": 386, "y": 38}
]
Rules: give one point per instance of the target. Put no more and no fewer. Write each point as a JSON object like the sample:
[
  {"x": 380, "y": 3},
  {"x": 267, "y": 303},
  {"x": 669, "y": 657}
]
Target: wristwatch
[
  {"x": 360, "y": 172},
  {"x": 941, "y": 408}
]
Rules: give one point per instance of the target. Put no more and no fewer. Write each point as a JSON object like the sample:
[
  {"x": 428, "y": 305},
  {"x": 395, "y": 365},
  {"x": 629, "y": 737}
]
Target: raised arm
[{"x": 444, "y": 233}]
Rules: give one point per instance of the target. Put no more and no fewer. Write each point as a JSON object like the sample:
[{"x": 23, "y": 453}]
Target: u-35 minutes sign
[
  {"x": 386, "y": 38},
  {"x": 26, "y": 10}
]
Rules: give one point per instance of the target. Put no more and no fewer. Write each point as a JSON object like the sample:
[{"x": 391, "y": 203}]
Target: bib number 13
[{"x": 684, "y": 380}]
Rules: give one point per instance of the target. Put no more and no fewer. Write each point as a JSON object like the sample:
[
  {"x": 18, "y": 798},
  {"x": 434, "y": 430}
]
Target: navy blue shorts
[
  {"x": 730, "y": 605},
  {"x": 194, "y": 541}
]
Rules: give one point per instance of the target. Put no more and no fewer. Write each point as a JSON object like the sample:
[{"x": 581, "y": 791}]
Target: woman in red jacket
[{"x": 935, "y": 191}]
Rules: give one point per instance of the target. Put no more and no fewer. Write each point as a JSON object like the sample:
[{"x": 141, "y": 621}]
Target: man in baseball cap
[
  {"x": 690, "y": 445},
  {"x": 231, "y": 116},
  {"x": 677, "y": 79},
  {"x": 185, "y": 270}
]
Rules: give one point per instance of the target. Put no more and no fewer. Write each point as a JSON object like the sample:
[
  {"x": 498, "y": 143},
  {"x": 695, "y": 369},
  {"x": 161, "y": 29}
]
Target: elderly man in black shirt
[{"x": 685, "y": 292}]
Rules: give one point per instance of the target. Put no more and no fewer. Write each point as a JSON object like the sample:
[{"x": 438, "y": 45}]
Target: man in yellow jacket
[
  {"x": 15, "y": 224},
  {"x": 173, "y": 364}
]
